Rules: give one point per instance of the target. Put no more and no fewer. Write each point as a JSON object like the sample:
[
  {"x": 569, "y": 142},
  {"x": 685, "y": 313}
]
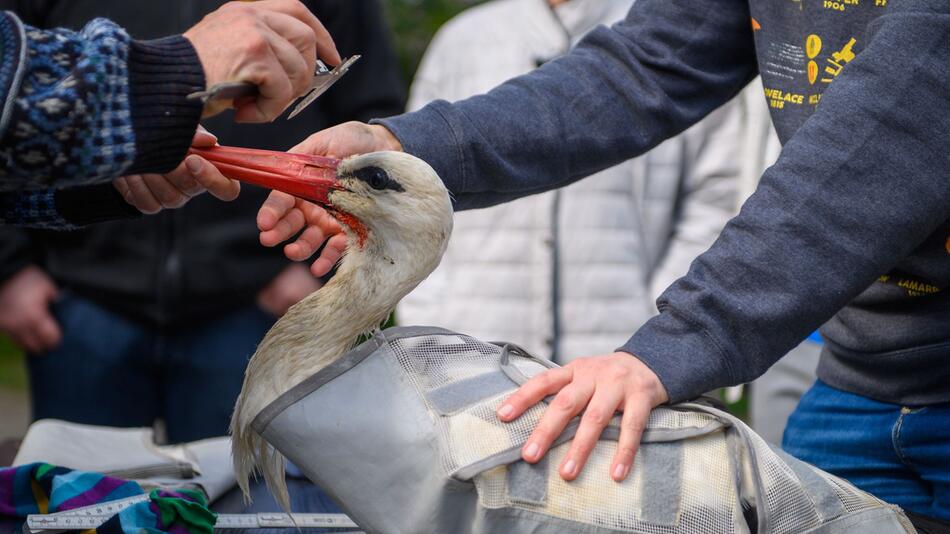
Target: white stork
[{"x": 398, "y": 217}]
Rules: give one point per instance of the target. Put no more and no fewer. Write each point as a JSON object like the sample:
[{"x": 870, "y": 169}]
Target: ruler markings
[{"x": 94, "y": 515}]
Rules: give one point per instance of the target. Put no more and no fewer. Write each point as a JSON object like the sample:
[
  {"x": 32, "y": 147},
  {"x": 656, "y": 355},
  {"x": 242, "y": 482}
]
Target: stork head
[{"x": 394, "y": 205}]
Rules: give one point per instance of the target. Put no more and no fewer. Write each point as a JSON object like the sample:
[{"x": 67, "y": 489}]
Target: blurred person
[
  {"x": 133, "y": 321},
  {"x": 576, "y": 269},
  {"x": 84, "y": 107}
]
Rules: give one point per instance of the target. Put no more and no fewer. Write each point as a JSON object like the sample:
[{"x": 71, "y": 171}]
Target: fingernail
[
  {"x": 620, "y": 471},
  {"x": 506, "y": 411},
  {"x": 193, "y": 165},
  {"x": 532, "y": 450},
  {"x": 570, "y": 467}
]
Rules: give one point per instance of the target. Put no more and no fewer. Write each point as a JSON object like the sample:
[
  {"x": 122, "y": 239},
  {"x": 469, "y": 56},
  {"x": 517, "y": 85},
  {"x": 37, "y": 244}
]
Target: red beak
[{"x": 307, "y": 177}]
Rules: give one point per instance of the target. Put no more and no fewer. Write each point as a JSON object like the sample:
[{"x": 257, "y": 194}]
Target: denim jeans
[
  {"x": 305, "y": 497},
  {"x": 111, "y": 371},
  {"x": 900, "y": 454}
]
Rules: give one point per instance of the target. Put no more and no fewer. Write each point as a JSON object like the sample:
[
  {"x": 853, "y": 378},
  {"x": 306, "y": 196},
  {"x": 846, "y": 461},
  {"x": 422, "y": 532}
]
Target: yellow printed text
[
  {"x": 839, "y": 5},
  {"x": 778, "y": 98}
]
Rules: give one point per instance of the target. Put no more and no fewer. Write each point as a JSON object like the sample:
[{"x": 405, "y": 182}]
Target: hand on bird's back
[
  {"x": 283, "y": 216},
  {"x": 593, "y": 388}
]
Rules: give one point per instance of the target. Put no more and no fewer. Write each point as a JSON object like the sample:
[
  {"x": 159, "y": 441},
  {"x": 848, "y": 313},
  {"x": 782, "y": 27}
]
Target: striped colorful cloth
[{"x": 44, "y": 489}]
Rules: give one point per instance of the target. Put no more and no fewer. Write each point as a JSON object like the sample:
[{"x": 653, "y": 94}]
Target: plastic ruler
[{"x": 93, "y": 516}]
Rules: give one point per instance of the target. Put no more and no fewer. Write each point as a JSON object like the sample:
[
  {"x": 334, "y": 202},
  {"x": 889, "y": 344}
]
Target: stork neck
[{"x": 320, "y": 329}]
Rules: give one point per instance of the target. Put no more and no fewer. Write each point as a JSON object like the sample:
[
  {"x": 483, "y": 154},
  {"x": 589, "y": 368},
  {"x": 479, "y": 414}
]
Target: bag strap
[{"x": 511, "y": 370}]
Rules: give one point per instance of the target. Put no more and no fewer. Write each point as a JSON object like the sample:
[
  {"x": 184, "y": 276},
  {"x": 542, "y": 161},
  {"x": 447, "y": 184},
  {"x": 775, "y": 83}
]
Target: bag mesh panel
[
  {"x": 709, "y": 500},
  {"x": 854, "y": 499},
  {"x": 790, "y": 508}
]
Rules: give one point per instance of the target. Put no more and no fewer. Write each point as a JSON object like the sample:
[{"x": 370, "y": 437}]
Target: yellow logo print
[
  {"x": 948, "y": 245},
  {"x": 838, "y": 60},
  {"x": 812, "y": 49}
]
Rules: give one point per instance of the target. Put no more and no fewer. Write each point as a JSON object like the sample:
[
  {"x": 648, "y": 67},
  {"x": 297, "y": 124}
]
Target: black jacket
[{"x": 190, "y": 264}]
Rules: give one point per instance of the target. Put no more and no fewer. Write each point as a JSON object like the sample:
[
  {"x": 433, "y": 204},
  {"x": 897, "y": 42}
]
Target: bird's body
[{"x": 398, "y": 218}]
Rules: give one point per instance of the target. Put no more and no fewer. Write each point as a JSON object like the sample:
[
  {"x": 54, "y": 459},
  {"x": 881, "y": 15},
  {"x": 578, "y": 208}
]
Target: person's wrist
[
  {"x": 648, "y": 381},
  {"x": 385, "y": 138}
]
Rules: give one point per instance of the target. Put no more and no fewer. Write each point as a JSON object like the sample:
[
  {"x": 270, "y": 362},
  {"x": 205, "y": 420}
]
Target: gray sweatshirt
[{"x": 849, "y": 228}]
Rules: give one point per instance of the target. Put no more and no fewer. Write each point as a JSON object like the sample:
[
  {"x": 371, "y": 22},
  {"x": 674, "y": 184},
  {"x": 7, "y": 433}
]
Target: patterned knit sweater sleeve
[{"x": 81, "y": 108}]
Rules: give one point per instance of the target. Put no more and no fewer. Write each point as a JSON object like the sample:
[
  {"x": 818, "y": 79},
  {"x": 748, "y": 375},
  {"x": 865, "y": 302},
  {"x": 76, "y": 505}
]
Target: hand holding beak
[
  {"x": 282, "y": 216},
  {"x": 151, "y": 193}
]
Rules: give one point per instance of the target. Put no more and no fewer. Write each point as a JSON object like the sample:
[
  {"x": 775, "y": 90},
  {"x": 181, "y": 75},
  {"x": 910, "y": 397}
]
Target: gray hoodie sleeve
[
  {"x": 857, "y": 188},
  {"x": 620, "y": 92}
]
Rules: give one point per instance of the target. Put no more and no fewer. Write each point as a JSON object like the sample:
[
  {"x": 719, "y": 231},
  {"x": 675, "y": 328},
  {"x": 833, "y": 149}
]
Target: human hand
[
  {"x": 289, "y": 287},
  {"x": 282, "y": 216},
  {"x": 597, "y": 386},
  {"x": 273, "y": 44},
  {"x": 152, "y": 192},
  {"x": 347, "y": 139},
  {"x": 24, "y": 310}
]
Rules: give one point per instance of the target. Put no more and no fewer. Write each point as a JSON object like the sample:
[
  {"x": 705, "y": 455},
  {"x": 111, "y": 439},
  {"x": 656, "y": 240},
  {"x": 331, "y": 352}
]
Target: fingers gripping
[
  {"x": 286, "y": 227},
  {"x": 140, "y": 196},
  {"x": 276, "y": 207},
  {"x": 207, "y": 177},
  {"x": 326, "y": 49},
  {"x": 331, "y": 254}
]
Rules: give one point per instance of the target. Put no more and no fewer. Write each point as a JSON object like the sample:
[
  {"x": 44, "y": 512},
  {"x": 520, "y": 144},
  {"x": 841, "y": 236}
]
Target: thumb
[
  {"x": 51, "y": 291},
  {"x": 206, "y": 174},
  {"x": 49, "y": 332}
]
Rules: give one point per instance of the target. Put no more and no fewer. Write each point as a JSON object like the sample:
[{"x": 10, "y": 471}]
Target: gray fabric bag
[{"x": 402, "y": 433}]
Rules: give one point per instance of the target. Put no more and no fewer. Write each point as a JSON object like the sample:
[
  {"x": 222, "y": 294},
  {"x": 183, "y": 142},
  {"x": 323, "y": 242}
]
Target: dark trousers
[{"x": 115, "y": 372}]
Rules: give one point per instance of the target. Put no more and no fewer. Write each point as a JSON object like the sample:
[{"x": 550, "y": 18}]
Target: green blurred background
[
  {"x": 413, "y": 23},
  {"x": 12, "y": 372}
]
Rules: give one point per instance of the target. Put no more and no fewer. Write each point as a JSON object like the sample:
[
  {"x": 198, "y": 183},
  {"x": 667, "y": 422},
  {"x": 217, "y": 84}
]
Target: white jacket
[{"x": 571, "y": 272}]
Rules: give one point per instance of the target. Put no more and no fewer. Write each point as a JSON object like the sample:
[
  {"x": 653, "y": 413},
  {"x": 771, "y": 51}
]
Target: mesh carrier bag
[{"x": 402, "y": 433}]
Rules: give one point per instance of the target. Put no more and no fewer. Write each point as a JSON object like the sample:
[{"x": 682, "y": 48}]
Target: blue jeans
[
  {"x": 899, "y": 454},
  {"x": 305, "y": 497},
  {"x": 111, "y": 371}
]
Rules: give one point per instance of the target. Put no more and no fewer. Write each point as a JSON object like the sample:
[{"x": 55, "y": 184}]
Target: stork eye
[{"x": 377, "y": 178}]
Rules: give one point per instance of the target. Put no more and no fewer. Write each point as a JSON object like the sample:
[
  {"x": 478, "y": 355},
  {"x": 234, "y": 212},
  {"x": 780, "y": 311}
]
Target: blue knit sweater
[{"x": 81, "y": 108}]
